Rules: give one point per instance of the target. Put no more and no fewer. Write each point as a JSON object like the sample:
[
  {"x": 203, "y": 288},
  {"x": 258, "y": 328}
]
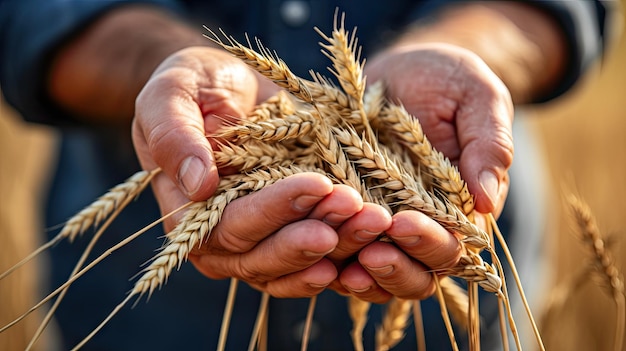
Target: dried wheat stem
[
  {"x": 107, "y": 203},
  {"x": 394, "y": 324},
  {"x": 260, "y": 320},
  {"x": 444, "y": 313},
  {"x": 306, "y": 333},
  {"x": 473, "y": 316},
  {"x": 228, "y": 312},
  {"x": 418, "y": 321},
  {"x": 518, "y": 282},
  {"x": 456, "y": 300}
]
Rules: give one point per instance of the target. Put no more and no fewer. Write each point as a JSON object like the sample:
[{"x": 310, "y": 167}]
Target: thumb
[
  {"x": 169, "y": 133},
  {"x": 487, "y": 154}
]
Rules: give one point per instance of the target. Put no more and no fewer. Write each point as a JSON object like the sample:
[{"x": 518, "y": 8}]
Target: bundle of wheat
[{"x": 355, "y": 137}]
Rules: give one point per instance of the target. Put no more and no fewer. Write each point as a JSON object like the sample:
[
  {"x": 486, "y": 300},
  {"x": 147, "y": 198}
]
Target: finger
[
  {"x": 396, "y": 272},
  {"x": 293, "y": 248},
  {"x": 188, "y": 86},
  {"x": 169, "y": 132},
  {"x": 305, "y": 283},
  {"x": 343, "y": 203},
  {"x": 359, "y": 283},
  {"x": 250, "y": 219},
  {"x": 485, "y": 134},
  {"x": 425, "y": 240},
  {"x": 360, "y": 230}
]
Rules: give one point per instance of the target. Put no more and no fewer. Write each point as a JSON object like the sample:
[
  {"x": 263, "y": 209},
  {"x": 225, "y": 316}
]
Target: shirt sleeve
[
  {"x": 30, "y": 30},
  {"x": 585, "y": 25}
]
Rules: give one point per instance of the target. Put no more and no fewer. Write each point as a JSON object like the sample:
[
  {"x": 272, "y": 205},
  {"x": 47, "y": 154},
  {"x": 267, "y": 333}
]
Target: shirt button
[{"x": 295, "y": 13}]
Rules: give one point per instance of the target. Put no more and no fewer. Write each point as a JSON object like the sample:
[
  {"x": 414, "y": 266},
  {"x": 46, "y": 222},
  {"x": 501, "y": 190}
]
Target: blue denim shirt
[{"x": 186, "y": 314}]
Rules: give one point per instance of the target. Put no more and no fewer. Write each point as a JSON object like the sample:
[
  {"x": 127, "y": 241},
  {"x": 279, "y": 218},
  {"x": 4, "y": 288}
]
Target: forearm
[
  {"x": 97, "y": 75},
  {"x": 521, "y": 44}
]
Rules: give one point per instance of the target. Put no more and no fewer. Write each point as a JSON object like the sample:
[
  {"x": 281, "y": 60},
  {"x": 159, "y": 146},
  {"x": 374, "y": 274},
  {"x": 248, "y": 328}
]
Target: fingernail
[
  {"x": 305, "y": 202},
  {"x": 335, "y": 219},
  {"x": 359, "y": 291},
  {"x": 365, "y": 235},
  {"x": 317, "y": 286},
  {"x": 489, "y": 183},
  {"x": 408, "y": 240},
  {"x": 381, "y": 271},
  {"x": 309, "y": 253},
  {"x": 191, "y": 173}
]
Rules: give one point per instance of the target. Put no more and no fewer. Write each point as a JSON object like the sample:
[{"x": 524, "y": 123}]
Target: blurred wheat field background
[{"x": 581, "y": 135}]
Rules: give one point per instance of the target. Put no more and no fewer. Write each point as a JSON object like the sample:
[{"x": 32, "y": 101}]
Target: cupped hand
[
  {"x": 401, "y": 266},
  {"x": 277, "y": 239},
  {"x": 188, "y": 96},
  {"x": 465, "y": 110}
]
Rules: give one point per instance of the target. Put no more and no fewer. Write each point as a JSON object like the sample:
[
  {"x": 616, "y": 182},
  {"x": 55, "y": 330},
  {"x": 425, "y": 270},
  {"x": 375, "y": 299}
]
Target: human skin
[{"x": 174, "y": 88}]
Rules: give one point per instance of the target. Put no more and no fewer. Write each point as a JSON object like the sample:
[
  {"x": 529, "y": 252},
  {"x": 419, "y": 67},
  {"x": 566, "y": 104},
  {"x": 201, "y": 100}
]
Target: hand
[
  {"x": 188, "y": 96},
  {"x": 276, "y": 239},
  {"x": 464, "y": 108},
  {"x": 402, "y": 268},
  {"x": 466, "y": 112}
]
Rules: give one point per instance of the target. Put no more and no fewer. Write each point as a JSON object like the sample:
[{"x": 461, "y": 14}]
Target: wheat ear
[
  {"x": 343, "y": 51},
  {"x": 92, "y": 215},
  {"x": 397, "y": 120},
  {"x": 264, "y": 62},
  {"x": 604, "y": 264},
  {"x": 192, "y": 230},
  {"x": 107, "y": 206},
  {"x": 274, "y": 129},
  {"x": 407, "y": 189},
  {"x": 394, "y": 324},
  {"x": 92, "y": 264}
]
